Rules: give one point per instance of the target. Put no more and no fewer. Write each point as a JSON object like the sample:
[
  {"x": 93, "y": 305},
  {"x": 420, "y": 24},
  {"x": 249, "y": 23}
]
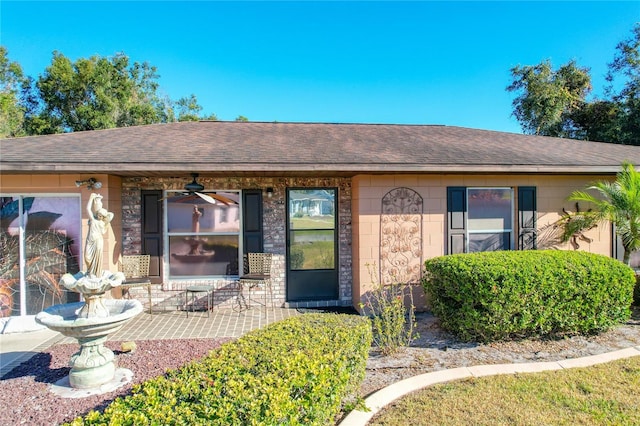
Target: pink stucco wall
[
  {"x": 61, "y": 184},
  {"x": 552, "y": 192},
  {"x": 360, "y": 212}
]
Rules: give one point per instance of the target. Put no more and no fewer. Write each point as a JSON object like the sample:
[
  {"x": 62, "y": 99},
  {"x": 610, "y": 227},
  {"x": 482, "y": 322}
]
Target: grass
[
  {"x": 318, "y": 255},
  {"x": 605, "y": 394},
  {"x": 313, "y": 222}
]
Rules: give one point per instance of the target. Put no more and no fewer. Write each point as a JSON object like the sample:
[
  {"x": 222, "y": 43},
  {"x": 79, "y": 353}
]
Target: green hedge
[
  {"x": 293, "y": 372},
  {"x": 512, "y": 294}
]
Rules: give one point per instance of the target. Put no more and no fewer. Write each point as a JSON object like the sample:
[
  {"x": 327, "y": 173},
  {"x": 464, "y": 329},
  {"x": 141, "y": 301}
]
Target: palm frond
[{"x": 618, "y": 202}]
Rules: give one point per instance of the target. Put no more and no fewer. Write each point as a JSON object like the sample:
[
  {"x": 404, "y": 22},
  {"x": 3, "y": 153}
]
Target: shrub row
[
  {"x": 512, "y": 294},
  {"x": 294, "y": 372}
]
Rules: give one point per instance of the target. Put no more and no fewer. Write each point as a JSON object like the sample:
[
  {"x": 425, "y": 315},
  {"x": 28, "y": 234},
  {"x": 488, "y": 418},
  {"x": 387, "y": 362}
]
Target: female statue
[{"x": 99, "y": 219}]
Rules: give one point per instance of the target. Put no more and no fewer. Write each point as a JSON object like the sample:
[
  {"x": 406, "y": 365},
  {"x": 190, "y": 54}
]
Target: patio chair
[
  {"x": 136, "y": 272},
  {"x": 257, "y": 276}
]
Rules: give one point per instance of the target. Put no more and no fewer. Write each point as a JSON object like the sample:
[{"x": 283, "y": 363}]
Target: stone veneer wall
[{"x": 274, "y": 225}]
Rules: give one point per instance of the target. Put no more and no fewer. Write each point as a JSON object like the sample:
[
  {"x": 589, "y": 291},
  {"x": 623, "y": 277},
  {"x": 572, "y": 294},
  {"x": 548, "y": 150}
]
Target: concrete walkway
[{"x": 378, "y": 400}]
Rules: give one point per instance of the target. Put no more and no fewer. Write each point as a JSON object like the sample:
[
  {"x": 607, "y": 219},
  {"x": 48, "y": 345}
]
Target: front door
[{"x": 312, "y": 244}]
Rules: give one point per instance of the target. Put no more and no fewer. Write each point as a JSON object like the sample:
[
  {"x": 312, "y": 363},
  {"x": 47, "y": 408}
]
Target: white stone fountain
[{"x": 93, "y": 369}]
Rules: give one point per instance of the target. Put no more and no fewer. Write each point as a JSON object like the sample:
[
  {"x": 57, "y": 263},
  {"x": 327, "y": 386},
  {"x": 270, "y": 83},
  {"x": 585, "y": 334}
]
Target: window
[
  {"x": 489, "y": 219},
  {"x": 618, "y": 251},
  {"x": 203, "y": 238},
  {"x": 46, "y": 231},
  {"x": 483, "y": 219},
  {"x": 312, "y": 229},
  {"x": 634, "y": 260}
]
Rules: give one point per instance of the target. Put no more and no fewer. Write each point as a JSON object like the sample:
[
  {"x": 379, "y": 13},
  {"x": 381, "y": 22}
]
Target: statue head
[{"x": 102, "y": 213}]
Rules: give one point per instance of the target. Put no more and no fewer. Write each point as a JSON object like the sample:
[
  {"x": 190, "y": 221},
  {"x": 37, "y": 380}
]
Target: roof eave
[{"x": 253, "y": 168}]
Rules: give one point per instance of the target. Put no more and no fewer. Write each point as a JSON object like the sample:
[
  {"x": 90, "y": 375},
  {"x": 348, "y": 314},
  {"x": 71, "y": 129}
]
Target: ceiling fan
[{"x": 195, "y": 192}]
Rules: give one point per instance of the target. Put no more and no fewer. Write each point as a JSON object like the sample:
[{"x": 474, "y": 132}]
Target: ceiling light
[{"x": 91, "y": 183}]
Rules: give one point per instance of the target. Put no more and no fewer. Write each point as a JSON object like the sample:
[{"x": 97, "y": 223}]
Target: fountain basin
[
  {"x": 93, "y": 365},
  {"x": 64, "y": 318}
]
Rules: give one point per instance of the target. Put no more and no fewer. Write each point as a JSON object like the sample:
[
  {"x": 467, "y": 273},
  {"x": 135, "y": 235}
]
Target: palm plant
[{"x": 619, "y": 204}]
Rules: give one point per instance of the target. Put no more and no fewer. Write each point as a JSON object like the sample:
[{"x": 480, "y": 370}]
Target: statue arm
[{"x": 90, "y": 205}]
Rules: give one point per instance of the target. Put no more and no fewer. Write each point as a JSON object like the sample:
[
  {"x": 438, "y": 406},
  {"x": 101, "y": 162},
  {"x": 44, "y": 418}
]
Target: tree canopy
[
  {"x": 554, "y": 102},
  {"x": 98, "y": 93},
  {"x": 548, "y": 98},
  {"x": 11, "y": 110},
  {"x": 625, "y": 69},
  {"x": 86, "y": 94}
]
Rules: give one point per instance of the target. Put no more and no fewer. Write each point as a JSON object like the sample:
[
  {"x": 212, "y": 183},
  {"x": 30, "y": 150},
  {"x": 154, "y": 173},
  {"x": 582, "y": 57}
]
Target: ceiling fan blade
[
  {"x": 207, "y": 198},
  {"x": 174, "y": 196},
  {"x": 225, "y": 200},
  {"x": 193, "y": 197}
]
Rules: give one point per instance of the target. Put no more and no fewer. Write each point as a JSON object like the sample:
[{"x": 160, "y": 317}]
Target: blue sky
[{"x": 419, "y": 62}]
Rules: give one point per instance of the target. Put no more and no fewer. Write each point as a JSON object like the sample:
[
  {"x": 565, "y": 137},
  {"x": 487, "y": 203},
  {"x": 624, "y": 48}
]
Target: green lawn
[
  {"x": 312, "y": 222},
  {"x": 605, "y": 394},
  {"x": 317, "y": 255}
]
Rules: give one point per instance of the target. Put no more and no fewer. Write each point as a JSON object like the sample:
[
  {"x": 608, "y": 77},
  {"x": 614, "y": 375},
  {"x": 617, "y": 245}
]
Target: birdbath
[{"x": 92, "y": 321}]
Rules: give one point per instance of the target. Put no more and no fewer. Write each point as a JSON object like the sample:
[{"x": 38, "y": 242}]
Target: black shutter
[
  {"x": 152, "y": 232},
  {"x": 456, "y": 219},
  {"x": 252, "y": 238},
  {"x": 527, "y": 212}
]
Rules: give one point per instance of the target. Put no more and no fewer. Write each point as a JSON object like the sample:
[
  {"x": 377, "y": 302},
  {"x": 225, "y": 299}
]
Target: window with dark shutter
[{"x": 482, "y": 219}]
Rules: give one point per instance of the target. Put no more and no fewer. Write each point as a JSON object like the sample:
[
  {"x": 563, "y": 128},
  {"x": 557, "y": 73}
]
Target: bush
[
  {"x": 512, "y": 294},
  {"x": 392, "y": 314},
  {"x": 294, "y": 372}
]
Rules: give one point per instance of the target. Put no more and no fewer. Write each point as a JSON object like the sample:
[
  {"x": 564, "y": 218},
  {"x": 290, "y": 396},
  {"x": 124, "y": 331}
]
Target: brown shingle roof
[{"x": 303, "y": 148}]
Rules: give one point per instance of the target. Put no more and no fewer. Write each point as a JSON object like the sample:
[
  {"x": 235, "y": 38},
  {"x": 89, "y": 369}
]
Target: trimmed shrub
[
  {"x": 514, "y": 294},
  {"x": 294, "y": 372}
]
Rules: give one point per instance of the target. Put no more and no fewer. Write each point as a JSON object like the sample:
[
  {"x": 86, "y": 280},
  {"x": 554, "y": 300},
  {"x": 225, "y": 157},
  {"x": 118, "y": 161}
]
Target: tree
[
  {"x": 626, "y": 68},
  {"x": 188, "y": 108},
  {"x": 547, "y": 98},
  {"x": 98, "y": 93},
  {"x": 88, "y": 94},
  {"x": 242, "y": 118},
  {"x": 11, "y": 111},
  {"x": 620, "y": 204},
  {"x": 553, "y": 103},
  {"x": 210, "y": 117},
  {"x": 599, "y": 121}
]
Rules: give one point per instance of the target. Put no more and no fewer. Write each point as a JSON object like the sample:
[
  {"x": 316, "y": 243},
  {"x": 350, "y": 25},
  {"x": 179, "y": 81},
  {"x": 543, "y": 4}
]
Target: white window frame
[
  {"x": 511, "y": 230},
  {"x": 167, "y": 237}
]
